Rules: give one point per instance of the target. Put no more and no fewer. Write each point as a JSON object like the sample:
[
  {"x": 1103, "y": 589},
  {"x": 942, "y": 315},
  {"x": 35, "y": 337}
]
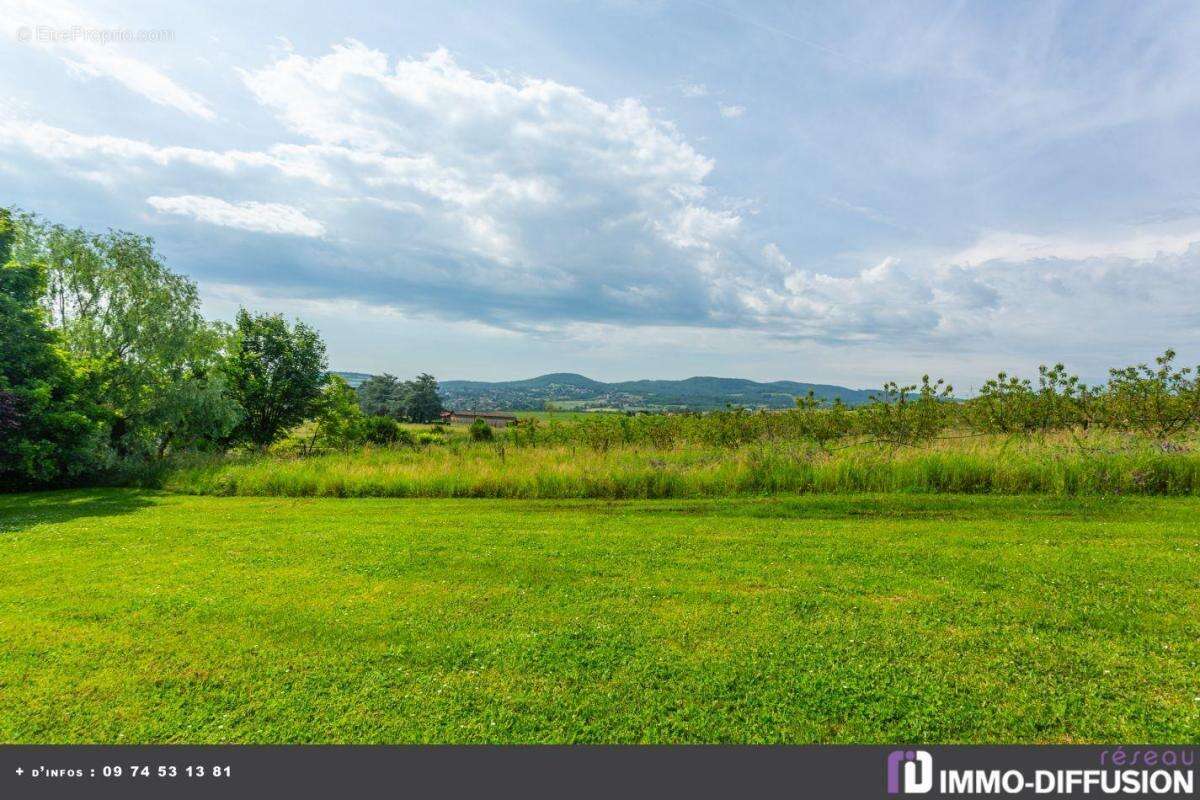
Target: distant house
[{"x": 468, "y": 417}]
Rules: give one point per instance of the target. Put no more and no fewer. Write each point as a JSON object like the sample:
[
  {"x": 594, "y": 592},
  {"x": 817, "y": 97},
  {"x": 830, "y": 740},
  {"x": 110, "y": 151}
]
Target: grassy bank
[
  {"x": 987, "y": 465},
  {"x": 141, "y": 617}
]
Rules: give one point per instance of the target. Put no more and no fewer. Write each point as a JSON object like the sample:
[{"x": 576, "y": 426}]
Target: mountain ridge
[{"x": 569, "y": 390}]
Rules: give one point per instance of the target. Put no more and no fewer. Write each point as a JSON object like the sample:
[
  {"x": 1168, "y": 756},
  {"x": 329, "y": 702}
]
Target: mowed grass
[{"x": 129, "y": 616}]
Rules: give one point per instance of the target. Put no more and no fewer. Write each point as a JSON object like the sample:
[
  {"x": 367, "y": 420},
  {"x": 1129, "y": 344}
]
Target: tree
[
  {"x": 820, "y": 423},
  {"x": 339, "y": 421},
  {"x": 1161, "y": 401},
  {"x": 46, "y": 432},
  {"x": 415, "y": 401},
  {"x": 276, "y": 373},
  {"x": 133, "y": 330},
  {"x": 382, "y": 396},
  {"x": 421, "y": 400},
  {"x": 1006, "y": 404},
  {"x": 198, "y": 414},
  {"x": 907, "y": 415}
]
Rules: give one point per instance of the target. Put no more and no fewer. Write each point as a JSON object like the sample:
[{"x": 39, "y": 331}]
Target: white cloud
[
  {"x": 527, "y": 205},
  {"x": 514, "y": 172},
  {"x": 731, "y": 112},
  {"x": 500, "y": 199},
  {"x": 247, "y": 216},
  {"x": 66, "y": 32},
  {"x": 1023, "y": 302},
  {"x": 1007, "y": 246},
  {"x": 696, "y": 227},
  {"x": 694, "y": 90}
]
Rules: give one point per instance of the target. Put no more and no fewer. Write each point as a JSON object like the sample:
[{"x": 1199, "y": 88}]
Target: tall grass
[{"x": 993, "y": 464}]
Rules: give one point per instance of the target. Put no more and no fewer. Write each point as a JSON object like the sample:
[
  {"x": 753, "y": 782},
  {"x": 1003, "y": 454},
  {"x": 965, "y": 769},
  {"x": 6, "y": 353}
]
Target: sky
[{"x": 829, "y": 192}]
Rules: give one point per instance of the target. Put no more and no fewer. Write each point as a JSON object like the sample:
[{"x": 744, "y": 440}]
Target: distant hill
[{"x": 568, "y": 390}]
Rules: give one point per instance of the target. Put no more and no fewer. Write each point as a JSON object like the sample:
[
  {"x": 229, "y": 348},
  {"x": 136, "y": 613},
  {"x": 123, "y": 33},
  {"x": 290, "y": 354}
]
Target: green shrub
[
  {"x": 381, "y": 430},
  {"x": 480, "y": 431}
]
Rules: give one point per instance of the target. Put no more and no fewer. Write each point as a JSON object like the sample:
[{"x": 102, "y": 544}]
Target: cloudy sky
[{"x": 833, "y": 192}]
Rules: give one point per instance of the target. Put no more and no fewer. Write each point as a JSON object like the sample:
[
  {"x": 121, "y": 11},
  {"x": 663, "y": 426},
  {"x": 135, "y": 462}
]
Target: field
[
  {"x": 137, "y": 616},
  {"x": 1053, "y": 465},
  {"x": 565, "y": 414}
]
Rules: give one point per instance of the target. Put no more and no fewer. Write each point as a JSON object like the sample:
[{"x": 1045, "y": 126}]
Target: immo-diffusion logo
[
  {"x": 909, "y": 771},
  {"x": 1147, "y": 772}
]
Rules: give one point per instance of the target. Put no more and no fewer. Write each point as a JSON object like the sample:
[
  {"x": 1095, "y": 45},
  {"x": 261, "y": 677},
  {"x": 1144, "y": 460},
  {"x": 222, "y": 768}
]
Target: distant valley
[{"x": 568, "y": 391}]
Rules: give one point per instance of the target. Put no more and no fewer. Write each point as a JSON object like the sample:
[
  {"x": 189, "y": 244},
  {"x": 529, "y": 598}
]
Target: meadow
[
  {"x": 1137, "y": 435},
  {"x": 141, "y": 616},
  {"x": 510, "y": 467}
]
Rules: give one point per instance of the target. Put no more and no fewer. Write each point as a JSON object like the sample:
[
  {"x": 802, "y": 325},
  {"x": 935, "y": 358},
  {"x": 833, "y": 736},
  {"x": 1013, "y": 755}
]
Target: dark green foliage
[
  {"x": 47, "y": 434},
  {"x": 276, "y": 373},
  {"x": 381, "y": 430},
  {"x": 339, "y": 423},
  {"x": 382, "y": 395},
  {"x": 480, "y": 431},
  {"x": 10, "y": 416},
  {"x": 421, "y": 401},
  {"x": 413, "y": 401}
]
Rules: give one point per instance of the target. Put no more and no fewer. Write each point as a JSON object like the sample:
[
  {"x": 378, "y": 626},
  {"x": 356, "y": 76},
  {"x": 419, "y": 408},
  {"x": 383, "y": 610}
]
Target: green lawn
[{"x": 132, "y": 616}]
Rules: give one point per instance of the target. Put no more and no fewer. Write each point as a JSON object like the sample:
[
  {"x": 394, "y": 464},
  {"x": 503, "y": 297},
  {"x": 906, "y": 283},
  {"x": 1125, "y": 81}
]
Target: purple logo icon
[{"x": 909, "y": 772}]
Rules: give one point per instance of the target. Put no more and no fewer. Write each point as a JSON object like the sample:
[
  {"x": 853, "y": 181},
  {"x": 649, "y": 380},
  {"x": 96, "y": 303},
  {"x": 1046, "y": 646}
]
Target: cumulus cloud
[
  {"x": 1010, "y": 303},
  {"x": 731, "y": 112},
  {"x": 525, "y": 187},
  {"x": 524, "y": 204},
  {"x": 248, "y": 216},
  {"x": 694, "y": 90}
]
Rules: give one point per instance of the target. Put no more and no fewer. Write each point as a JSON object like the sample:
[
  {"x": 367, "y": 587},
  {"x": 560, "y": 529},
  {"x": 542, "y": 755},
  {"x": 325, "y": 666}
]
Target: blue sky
[{"x": 831, "y": 192}]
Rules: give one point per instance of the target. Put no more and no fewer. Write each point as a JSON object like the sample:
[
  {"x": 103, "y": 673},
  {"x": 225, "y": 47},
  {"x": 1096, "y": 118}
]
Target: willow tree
[{"x": 133, "y": 330}]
